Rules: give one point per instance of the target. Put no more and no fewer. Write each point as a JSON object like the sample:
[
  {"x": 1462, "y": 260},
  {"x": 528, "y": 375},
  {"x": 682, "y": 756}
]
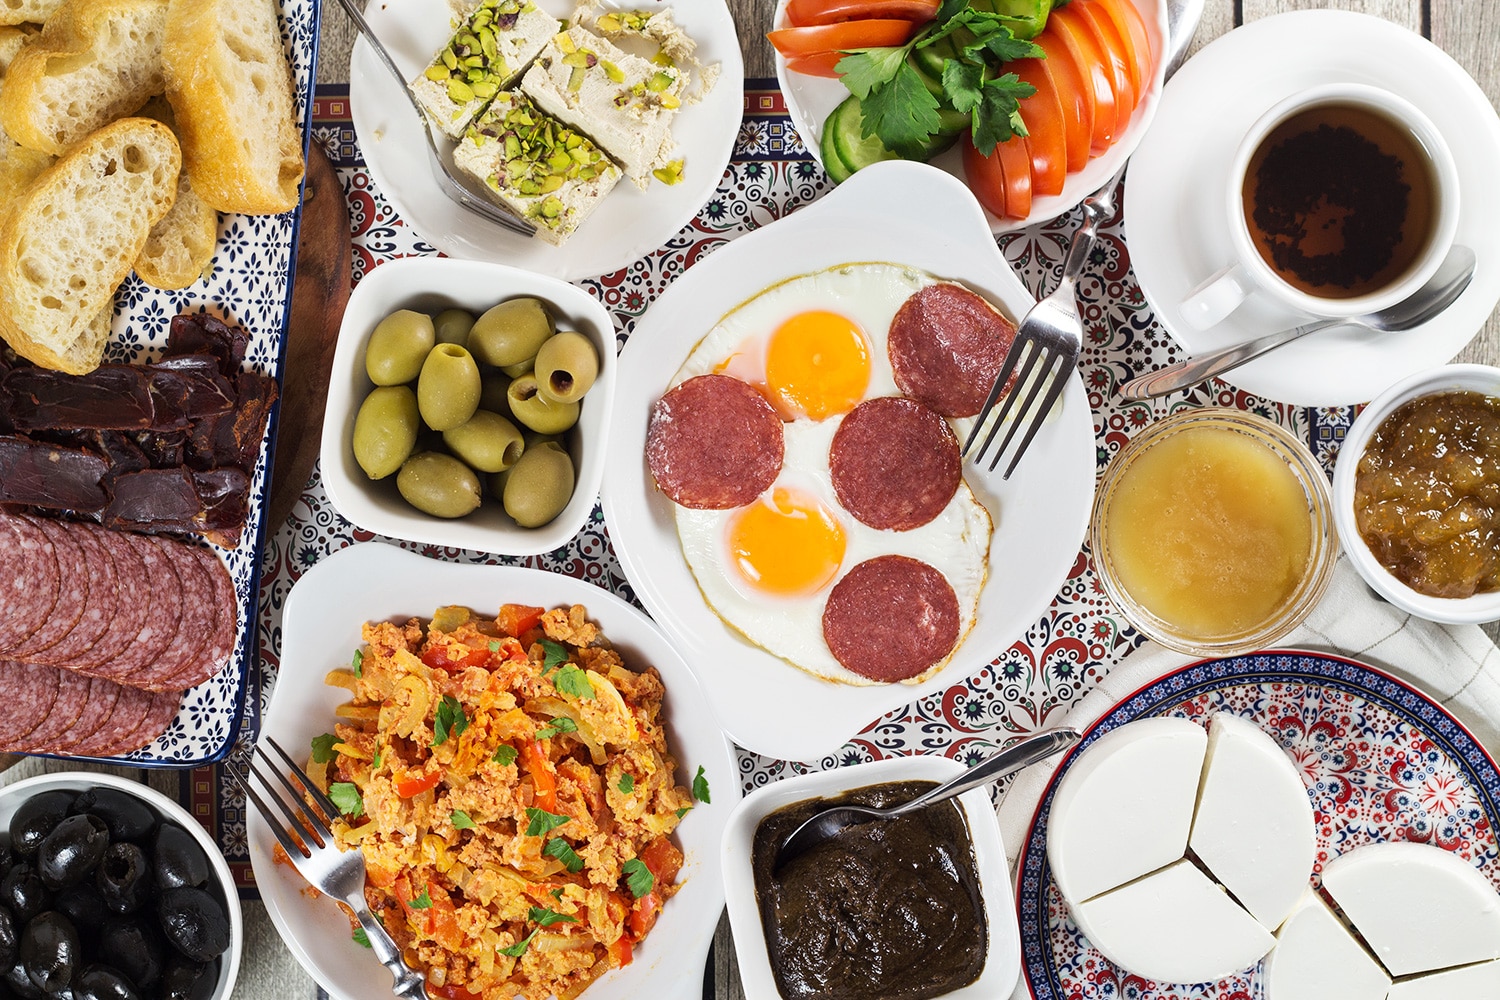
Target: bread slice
[
  {"x": 95, "y": 61},
  {"x": 19, "y": 166},
  {"x": 181, "y": 246},
  {"x": 73, "y": 235},
  {"x": 230, "y": 85},
  {"x": 24, "y": 11},
  {"x": 12, "y": 38}
]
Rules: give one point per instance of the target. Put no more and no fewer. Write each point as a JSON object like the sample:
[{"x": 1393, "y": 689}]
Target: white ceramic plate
[
  {"x": 1174, "y": 196},
  {"x": 629, "y": 223},
  {"x": 810, "y": 99},
  {"x": 373, "y": 582},
  {"x": 906, "y": 213}
]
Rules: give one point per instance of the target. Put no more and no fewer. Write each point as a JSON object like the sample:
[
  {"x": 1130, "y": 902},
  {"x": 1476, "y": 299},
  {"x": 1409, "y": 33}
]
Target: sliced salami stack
[{"x": 101, "y": 632}]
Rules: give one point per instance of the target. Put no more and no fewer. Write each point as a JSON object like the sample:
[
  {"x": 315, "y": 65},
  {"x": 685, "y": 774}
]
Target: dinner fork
[
  {"x": 450, "y": 185},
  {"x": 309, "y": 844}
]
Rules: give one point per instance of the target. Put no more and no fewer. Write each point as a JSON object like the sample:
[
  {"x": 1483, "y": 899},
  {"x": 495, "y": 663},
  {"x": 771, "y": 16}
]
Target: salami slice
[
  {"x": 103, "y": 595},
  {"x": 133, "y": 714},
  {"x": 160, "y": 708},
  {"x": 183, "y": 657},
  {"x": 131, "y": 611},
  {"x": 102, "y": 698},
  {"x": 891, "y": 618},
  {"x": 946, "y": 347},
  {"x": 72, "y": 592},
  {"x": 713, "y": 443},
  {"x": 29, "y": 695},
  {"x": 894, "y": 463},
  {"x": 214, "y": 655},
  {"x": 162, "y": 593},
  {"x": 31, "y": 581},
  {"x": 62, "y": 718}
]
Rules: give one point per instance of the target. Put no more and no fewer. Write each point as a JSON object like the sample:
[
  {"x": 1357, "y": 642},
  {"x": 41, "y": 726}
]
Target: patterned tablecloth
[{"x": 1026, "y": 687}]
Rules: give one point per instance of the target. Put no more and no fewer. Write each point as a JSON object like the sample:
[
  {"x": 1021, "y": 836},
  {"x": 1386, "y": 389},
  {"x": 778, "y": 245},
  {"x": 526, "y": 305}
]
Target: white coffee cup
[{"x": 1249, "y": 274}]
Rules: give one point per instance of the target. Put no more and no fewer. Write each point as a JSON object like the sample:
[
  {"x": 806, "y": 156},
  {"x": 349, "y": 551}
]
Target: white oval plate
[
  {"x": 1174, "y": 197},
  {"x": 905, "y": 213},
  {"x": 374, "y": 582},
  {"x": 628, "y": 224},
  {"x": 810, "y": 99}
]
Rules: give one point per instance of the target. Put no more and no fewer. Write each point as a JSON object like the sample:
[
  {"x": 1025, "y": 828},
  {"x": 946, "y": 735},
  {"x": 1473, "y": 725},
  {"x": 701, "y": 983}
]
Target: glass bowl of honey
[{"x": 1213, "y": 532}]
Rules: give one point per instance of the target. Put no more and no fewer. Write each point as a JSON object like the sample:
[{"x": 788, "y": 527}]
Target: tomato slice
[
  {"x": 643, "y": 915},
  {"x": 1088, "y": 56},
  {"x": 543, "y": 777},
  {"x": 454, "y": 656},
  {"x": 1116, "y": 58},
  {"x": 664, "y": 860},
  {"x": 1015, "y": 164},
  {"x": 517, "y": 618},
  {"x": 1075, "y": 96},
  {"x": 448, "y": 991},
  {"x": 621, "y": 952},
  {"x": 817, "y": 64},
  {"x": 1132, "y": 27},
  {"x": 984, "y": 178},
  {"x": 1046, "y": 135},
  {"x": 804, "y": 12},
  {"x": 409, "y": 785},
  {"x": 815, "y": 38}
]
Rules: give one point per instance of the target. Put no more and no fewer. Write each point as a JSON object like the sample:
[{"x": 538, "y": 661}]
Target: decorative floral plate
[{"x": 1381, "y": 760}]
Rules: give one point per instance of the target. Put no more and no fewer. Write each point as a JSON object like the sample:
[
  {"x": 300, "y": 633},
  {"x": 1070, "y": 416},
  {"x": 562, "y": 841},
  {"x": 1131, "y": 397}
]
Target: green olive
[
  {"x": 497, "y": 484},
  {"x": 452, "y": 326},
  {"x": 398, "y": 345},
  {"x": 517, "y": 370},
  {"x": 492, "y": 387},
  {"x": 487, "y": 442},
  {"x": 566, "y": 366},
  {"x": 439, "y": 485},
  {"x": 511, "y": 332},
  {"x": 385, "y": 429},
  {"x": 532, "y": 409},
  {"x": 534, "y": 438},
  {"x": 539, "y": 485},
  {"x": 448, "y": 388}
]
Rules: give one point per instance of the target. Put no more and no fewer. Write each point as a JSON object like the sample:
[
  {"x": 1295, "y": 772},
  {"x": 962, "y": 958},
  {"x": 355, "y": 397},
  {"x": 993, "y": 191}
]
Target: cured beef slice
[
  {"x": 894, "y": 463},
  {"x": 947, "y": 346},
  {"x": 38, "y": 474},
  {"x": 891, "y": 618},
  {"x": 714, "y": 443}
]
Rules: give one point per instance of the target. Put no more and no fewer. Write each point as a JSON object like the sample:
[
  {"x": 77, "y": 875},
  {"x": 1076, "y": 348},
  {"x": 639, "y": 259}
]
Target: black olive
[
  {"x": 7, "y": 857},
  {"x": 23, "y": 893},
  {"x": 18, "y": 982},
  {"x": 188, "y": 980},
  {"x": 83, "y": 904},
  {"x": 49, "y": 951},
  {"x": 194, "y": 922},
  {"x": 178, "y": 860},
  {"x": 100, "y": 982},
  {"x": 36, "y": 818},
  {"x": 127, "y": 817},
  {"x": 10, "y": 939},
  {"x": 136, "y": 949},
  {"x": 71, "y": 852},
  {"x": 124, "y": 878}
]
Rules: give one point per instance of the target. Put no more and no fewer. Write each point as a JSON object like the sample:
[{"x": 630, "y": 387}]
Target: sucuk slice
[
  {"x": 102, "y": 698},
  {"x": 713, "y": 443},
  {"x": 1420, "y": 908},
  {"x": 215, "y": 654},
  {"x": 72, "y": 593},
  {"x": 29, "y": 695},
  {"x": 126, "y": 717},
  {"x": 67, "y": 708},
  {"x": 132, "y": 613},
  {"x": 1254, "y": 827},
  {"x": 894, "y": 463},
  {"x": 1471, "y": 982},
  {"x": 103, "y": 595},
  {"x": 33, "y": 591},
  {"x": 1173, "y": 926},
  {"x": 1124, "y": 807},
  {"x": 946, "y": 346},
  {"x": 1316, "y": 958},
  {"x": 162, "y": 594},
  {"x": 891, "y": 618},
  {"x": 183, "y": 658},
  {"x": 157, "y": 709}
]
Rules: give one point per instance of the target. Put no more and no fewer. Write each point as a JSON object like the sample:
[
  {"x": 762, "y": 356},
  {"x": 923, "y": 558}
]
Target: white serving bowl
[
  {"x": 432, "y": 284},
  {"x": 222, "y": 886},
  {"x": 1003, "y": 961},
  {"x": 1447, "y": 378}
]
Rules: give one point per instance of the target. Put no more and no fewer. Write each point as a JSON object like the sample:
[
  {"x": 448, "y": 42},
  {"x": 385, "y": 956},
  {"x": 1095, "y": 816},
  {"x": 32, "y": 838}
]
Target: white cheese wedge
[
  {"x": 1472, "y": 982},
  {"x": 1316, "y": 958},
  {"x": 1254, "y": 825},
  {"x": 1125, "y": 806},
  {"x": 1420, "y": 908},
  {"x": 1174, "y": 926}
]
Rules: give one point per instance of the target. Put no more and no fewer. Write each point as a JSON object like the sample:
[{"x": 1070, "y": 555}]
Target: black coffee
[{"x": 1339, "y": 200}]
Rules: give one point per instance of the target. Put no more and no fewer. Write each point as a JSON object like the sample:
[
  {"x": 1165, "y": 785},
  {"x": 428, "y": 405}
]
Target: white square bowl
[
  {"x": 1002, "y": 962},
  {"x": 432, "y": 284}
]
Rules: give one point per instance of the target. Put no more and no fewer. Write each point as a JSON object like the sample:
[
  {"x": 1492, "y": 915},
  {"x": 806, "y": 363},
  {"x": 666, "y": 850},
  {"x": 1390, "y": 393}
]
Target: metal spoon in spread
[{"x": 830, "y": 822}]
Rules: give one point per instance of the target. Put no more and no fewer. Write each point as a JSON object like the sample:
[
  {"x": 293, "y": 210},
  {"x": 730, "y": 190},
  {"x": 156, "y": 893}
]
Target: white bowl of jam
[{"x": 1416, "y": 494}]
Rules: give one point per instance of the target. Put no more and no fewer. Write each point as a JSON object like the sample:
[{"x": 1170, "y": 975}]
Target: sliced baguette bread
[
  {"x": 19, "y": 166},
  {"x": 74, "y": 234},
  {"x": 12, "y": 38},
  {"x": 230, "y": 86},
  {"x": 95, "y": 61},
  {"x": 180, "y": 248},
  {"x": 27, "y": 11}
]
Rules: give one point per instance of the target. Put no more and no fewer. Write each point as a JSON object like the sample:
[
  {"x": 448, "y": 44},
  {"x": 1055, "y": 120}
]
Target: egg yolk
[
  {"x": 818, "y": 364},
  {"x": 790, "y": 544}
]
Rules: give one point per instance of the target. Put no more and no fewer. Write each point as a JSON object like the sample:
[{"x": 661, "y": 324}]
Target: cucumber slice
[
  {"x": 833, "y": 163},
  {"x": 930, "y": 58},
  {"x": 852, "y": 148},
  {"x": 954, "y": 122}
]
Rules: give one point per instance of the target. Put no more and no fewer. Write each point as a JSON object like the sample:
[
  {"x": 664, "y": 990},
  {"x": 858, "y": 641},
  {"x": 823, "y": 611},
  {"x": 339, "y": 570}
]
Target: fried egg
[{"x": 815, "y": 347}]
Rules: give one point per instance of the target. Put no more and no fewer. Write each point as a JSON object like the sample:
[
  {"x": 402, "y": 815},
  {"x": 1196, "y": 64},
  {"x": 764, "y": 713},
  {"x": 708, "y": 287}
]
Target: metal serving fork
[
  {"x": 450, "y": 185},
  {"x": 309, "y": 843}
]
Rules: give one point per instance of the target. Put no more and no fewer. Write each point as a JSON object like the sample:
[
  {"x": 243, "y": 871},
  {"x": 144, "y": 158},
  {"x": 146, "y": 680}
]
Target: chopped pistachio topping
[
  {"x": 670, "y": 173},
  {"x": 541, "y": 154},
  {"x": 471, "y": 63}
]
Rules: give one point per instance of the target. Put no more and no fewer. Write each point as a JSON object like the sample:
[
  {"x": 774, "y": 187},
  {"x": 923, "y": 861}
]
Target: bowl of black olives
[
  {"x": 111, "y": 891},
  {"x": 468, "y": 406}
]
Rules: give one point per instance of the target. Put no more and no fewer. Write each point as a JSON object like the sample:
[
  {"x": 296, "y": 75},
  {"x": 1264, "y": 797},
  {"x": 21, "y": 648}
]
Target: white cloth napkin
[{"x": 1457, "y": 665}]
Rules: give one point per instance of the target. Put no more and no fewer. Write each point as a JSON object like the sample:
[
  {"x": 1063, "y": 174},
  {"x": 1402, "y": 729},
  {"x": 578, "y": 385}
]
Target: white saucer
[
  {"x": 1175, "y": 224},
  {"x": 627, "y": 225}
]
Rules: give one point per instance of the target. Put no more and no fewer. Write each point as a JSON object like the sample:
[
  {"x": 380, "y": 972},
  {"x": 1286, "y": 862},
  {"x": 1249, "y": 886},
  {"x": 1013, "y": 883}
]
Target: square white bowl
[
  {"x": 1446, "y": 378},
  {"x": 432, "y": 284},
  {"x": 1002, "y": 962}
]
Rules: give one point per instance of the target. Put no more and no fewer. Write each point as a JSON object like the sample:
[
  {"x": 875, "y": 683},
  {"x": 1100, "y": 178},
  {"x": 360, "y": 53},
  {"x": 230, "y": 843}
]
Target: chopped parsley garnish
[
  {"x": 361, "y": 938},
  {"x": 638, "y": 878},
  {"x": 562, "y": 851},
  {"x": 422, "y": 902},
  {"x": 561, "y": 724},
  {"x": 556, "y": 893},
  {"x": 627, "y": 783},
  {"x": 542, "y": 822},
  {"x": 322, "y": 748},
  {"x": 494, "y": 645},
  {"x": 449, "y": 721},
  {"x": 684, "y": 811},
  {"x": 546, "y": 916},
  {"x": 700, "y": 786},
  {"x": 556, "y": 654},
  {"x": 505, "y": 755},
  {"x": 359, "y": 663},
  {"x": 346, "y": 796},
  {"x": 461, "y": 821},
  {"x": 519, "y": 948},
  {"x": 573, "y": 681},
  {"x": 376, "y": 761}
]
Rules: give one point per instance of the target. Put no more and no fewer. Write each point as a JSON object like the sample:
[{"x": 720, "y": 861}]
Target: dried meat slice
[
  {"x": 891, "y": 618},
  {"x": 894, "y": 463},
  {"x": 947, "y": 346},
  {"x": 29, "y": 693},
  {"x": 714, "y": 443},
  {"x": 72, "y": 592},
  {"x": 31, "y": 580},
  {"x": 103, "y": 600}
]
